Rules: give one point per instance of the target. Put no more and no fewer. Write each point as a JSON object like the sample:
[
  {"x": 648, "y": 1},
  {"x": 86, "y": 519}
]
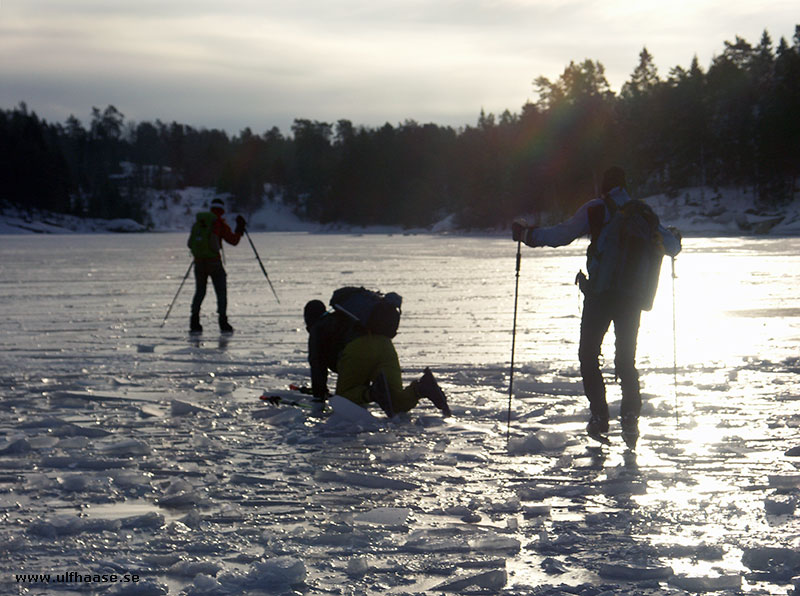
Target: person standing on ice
[
  {"x": 366, "y": 363},
  {"x": 205, "y": 242},
  {"x": 616, "y": 290}
]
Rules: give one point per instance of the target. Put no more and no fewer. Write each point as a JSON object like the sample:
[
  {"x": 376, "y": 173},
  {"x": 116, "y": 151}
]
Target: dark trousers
[
  {"x": 598, "y": 313},
  {"x": 203, "y": 269}
]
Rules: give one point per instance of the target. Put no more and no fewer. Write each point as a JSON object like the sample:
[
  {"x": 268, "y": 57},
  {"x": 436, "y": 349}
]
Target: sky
[{"x": 262, "y": 63}]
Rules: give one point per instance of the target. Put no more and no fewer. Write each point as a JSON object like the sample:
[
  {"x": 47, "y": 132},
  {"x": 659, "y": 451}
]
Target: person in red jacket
[{"x": 205, "y": 242}]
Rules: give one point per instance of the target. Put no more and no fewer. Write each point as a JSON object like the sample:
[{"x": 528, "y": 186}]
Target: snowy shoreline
[{"x": 696, "y": 212}]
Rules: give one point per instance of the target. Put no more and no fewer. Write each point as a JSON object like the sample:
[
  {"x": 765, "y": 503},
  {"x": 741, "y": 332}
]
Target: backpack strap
[
  {"x": 611, "y": 205},
  {"x": 597, "y": 217}
]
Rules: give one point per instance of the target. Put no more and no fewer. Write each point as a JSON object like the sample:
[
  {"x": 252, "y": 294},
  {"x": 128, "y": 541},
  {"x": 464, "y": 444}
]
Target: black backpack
[
  {"x": 372, "y": 311},
  {"x": 627, "y": 253}
]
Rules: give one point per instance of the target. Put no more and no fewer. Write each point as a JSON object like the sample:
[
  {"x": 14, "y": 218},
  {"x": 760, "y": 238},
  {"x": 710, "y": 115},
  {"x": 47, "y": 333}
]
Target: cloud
[{"x": 262, "y": 63}]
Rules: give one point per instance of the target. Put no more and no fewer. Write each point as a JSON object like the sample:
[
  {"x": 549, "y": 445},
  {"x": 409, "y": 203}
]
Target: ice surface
[{"x": 164, "y": 462}]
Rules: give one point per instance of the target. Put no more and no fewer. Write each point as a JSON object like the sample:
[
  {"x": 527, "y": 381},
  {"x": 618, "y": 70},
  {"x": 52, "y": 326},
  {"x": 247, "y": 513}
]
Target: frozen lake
[{"x": 105, "y": 465}]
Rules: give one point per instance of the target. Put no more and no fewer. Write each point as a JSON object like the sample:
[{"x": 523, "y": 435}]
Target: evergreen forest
[{"x": 734, "y": 122}]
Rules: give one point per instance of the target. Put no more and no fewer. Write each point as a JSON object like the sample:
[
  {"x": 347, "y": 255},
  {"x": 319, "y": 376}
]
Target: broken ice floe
[
  {"x": 494, "y": 579},
  {"x": 698, "y": 585},
  {"x": 366, "y": 480},
  {"x": 624, "y": 571},
  {"x": 182, "y": 408},
  {"x": 384, "y": 516},
  {"x": 780, "y": 504},
  {"x": 70, "y": 525},
  {"x": 538, "y": 442}
]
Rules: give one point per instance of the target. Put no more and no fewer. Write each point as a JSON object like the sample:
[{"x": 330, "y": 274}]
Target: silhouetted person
[
  {"x": 605, "y": 299},
  {"x": 205, "y": 242}
]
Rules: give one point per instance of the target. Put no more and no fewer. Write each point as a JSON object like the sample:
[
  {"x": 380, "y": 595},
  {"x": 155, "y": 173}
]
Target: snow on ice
[{"x": 131, "y": 448}]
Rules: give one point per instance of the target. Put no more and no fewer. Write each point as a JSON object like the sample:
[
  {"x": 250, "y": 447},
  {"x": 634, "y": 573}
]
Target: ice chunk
[
  {"x": 126, "y": 479},
  {"x": 492, "y": 541},
  {"x": 784, "y": 480},
  {"x": 19, "y": 446},
  {"x": 347, "y": 412},
  {"x": 425, "y": 541},
  {"x": 527, "y": 445},
  {"x": 69, "y": 525},
  {"x": 75, "y": 430},
  {"x": 194, "y": 568},
  {"x": 624, "y": 571},
  {"x": 553, "y": 566},
  {"x": 536, "y": 510},
  {"x": 179, "y": 493},
  {"x": 698, "y": 585},
  {"x": 358, "y": 566},
  {"x": 368, "y": 480},
  {"x": 280, "y": 417},
  {"x": 126, "y": 447},
  {"x": 224, "y": 387},
  {"x": 278, "y": 571},
  {"x": 205, "y": 585},
  {"x": 780, "y": 505},
  {"x": 510, "y": 506},
  {"x": 142, "y": 588},
  {"x": 74, "y": 482},
  {"x": 146, "y": 520},
  {"x": 494, "y": 579},
  {"x": 385, "y": 516},
  {"x": 770, "y": 558},
  {"x": 182, "y": 408},
  {"x": 551, "y": 440}
]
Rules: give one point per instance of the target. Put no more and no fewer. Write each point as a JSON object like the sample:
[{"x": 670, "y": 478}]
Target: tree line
[{"x": 734, "y": 123}]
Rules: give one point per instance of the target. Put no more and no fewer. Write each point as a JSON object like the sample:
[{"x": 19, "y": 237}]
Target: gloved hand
[
  {"x": 240, "y": 225},
  {"x": 519, "y": 229}
]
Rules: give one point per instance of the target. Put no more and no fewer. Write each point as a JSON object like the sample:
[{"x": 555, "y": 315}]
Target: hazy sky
[{"x": 261, "y": 63}]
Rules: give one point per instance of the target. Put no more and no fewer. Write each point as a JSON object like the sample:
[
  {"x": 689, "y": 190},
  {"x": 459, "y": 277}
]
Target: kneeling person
[{"x": 366, "y": 362}]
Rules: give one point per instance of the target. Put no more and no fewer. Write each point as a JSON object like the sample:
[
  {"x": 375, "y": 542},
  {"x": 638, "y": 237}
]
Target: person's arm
[
  {"x": 565, "y": 232},
  {"x": 223, "y": 230},
  {"x": 671, "y": 238},
  {"x": 319, "y": 370}
]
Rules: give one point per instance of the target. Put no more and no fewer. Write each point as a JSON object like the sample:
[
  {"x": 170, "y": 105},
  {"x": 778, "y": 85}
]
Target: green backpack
[{"x": 203, "y": 243}]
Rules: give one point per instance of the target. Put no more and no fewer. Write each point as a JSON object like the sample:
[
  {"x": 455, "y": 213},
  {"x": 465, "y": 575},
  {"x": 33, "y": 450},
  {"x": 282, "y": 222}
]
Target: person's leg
[
  {"x": 200, "y": 284},
  {"x": 626, "y": 331},
  {"x": 219, "y": 279},
  {"x": 359, "y": 365},
  {"x": 594, "y": 325},
  {"x": 354, "y": 371}
]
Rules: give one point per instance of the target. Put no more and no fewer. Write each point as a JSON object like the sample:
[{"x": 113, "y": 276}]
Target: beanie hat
[
  {"x": 313, "y": 310},
  {"x": 612, "y": 178},
  {"x": 218, "y": 203}
]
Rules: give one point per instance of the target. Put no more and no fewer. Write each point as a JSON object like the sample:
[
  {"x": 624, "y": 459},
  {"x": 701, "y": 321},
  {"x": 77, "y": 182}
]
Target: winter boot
[
  {"x": 598, "y": 429},
  {"x": 224, "y": 326},
  {"x": 379, "y": 393},
  {"x": 194, "y": 324},
  {"x": 630, "y": 430},
  {"x": 428, "y": 387}
]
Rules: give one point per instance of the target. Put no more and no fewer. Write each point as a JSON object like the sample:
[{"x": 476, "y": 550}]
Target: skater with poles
[
  {"x": 623, "y": 261},
  {"x": 205, "y": 241}
]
